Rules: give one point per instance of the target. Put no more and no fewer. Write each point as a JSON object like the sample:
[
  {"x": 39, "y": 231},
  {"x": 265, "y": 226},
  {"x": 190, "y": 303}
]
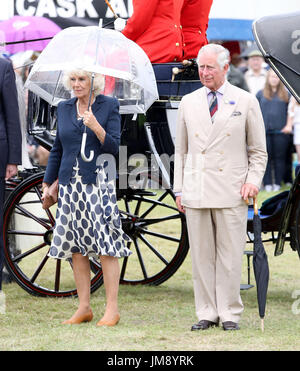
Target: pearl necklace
[{"x": 79, "y": 117}]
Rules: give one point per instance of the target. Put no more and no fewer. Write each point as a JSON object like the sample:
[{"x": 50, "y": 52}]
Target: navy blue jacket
[
  {"x": 10, "y": 128},
  {"x": 274, "y": 112},
  {"x": 69, "y": 132}
]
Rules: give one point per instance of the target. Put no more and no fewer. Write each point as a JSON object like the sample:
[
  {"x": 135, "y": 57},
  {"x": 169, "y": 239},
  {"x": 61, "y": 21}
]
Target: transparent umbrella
[{"x": 129, "y": 74}]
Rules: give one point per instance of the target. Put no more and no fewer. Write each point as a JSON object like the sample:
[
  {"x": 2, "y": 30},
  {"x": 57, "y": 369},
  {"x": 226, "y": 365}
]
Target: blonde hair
[
  {"x": 280, "y": 91},
  {"x": 99, "y": 80}
]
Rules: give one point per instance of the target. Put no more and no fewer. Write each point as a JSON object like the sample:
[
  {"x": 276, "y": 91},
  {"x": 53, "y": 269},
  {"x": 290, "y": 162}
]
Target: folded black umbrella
[{"x": 260, "y": 265}]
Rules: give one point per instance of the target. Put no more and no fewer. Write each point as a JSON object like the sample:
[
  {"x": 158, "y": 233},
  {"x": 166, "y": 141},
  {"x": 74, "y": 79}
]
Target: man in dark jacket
[{"x": 10, "y": 137}]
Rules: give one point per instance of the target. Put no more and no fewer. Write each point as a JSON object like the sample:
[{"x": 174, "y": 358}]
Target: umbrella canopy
[
  {"x": 281, "y": 47},
  {"x": 21, "y": 28},
  {"x": 129, "y": 73},
  {"x": 260, "y": 264}
]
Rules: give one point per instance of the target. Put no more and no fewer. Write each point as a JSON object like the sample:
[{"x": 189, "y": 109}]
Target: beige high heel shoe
[
  {"x": 87, "y": 317},
  {"x": 110, "y": 323}
]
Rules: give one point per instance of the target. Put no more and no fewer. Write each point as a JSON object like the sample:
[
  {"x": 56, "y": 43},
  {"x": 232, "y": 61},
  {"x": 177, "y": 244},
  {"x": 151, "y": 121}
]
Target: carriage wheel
[
  {"x": 27, "y": 232},
  {"x": 158, "y": 232}
]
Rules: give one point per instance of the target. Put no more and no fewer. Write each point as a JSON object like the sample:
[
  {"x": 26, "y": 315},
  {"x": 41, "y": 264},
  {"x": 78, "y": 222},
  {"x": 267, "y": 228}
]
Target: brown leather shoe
[
  {"x": 79, "y": 319},
  {"x": 110, "y": 323},
  {"x": 203, "y": 325},
  {"x": 229, "y": 326}
]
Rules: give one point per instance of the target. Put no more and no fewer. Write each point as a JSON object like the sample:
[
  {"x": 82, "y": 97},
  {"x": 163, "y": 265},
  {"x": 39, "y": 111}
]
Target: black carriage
[{"x": 148, "y": 209}]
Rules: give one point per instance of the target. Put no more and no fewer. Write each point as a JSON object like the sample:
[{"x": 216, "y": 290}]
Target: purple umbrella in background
[{"x": 22, "y": 28}]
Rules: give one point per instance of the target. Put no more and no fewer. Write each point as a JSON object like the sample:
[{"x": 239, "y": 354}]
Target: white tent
[{"x": 232, "y": 19}]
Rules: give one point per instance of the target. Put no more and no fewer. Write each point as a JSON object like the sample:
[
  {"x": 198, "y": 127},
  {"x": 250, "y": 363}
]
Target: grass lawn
[{"x": 159, "y": 318}]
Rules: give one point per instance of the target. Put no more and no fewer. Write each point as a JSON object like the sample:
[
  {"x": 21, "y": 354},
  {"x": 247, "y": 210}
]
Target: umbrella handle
[
  {"x": 255, "y": 206},
  {"x": 82, "y": 150},
  {"x": 84, "y": 135}
]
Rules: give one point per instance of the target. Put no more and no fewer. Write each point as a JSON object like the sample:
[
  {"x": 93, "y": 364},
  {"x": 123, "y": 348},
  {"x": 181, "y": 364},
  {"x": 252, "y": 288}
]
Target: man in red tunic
[
  {"x": 194, "y": 22},
  {"x": 155, "y": 27}
]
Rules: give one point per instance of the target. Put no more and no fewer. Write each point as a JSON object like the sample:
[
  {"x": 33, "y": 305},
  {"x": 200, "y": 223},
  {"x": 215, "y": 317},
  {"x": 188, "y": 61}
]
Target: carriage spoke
[
  {"x": 29, "y": 252},
  {"x": 28, "y": 214},
  {"x": 145, "y": 222},
  {"x": 124, "y": 265},
  {"x": 123, "y": 270},
  {"x": 57, "y": 275},
  {"x": 137, "y": 208},
  {"x": 159, "y": 235},
  {"x": 25, "y": 233},
  {"x": 141, "y": 261},
  {"x": 155, "y": 203},
  {"x": 39, "y": 268},
  {"x": 153, "y": 249},
  {"x": 127, "y": 205}
]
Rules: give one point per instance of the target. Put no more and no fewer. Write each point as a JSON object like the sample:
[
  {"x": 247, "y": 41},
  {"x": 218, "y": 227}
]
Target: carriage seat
[{"x": 184, "y": 82}]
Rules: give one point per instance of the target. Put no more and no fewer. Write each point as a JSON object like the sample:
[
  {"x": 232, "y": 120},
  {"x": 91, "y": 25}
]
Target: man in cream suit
[{"x": 220, "y": 160}]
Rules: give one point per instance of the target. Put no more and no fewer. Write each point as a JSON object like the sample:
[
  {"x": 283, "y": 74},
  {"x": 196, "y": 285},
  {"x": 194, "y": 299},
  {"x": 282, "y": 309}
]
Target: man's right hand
[{"x": 179, "y": 206}]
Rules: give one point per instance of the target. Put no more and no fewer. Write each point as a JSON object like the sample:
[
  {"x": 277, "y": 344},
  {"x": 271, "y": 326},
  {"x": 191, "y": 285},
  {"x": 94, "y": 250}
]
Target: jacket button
[
  {"x": 177, "y": 44},
  {"x": 199, "y": 31},
  {"x": 175, "y": 25}
]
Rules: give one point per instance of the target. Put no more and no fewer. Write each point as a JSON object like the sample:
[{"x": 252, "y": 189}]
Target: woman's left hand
[{"x": 90, "y": 120}]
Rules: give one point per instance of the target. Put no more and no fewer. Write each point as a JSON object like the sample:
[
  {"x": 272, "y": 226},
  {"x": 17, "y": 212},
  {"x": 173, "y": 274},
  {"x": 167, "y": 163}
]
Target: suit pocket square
[{"x": 236, "y": 113}]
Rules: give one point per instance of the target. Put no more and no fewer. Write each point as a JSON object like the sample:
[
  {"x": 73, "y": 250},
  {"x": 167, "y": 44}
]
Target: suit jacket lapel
[
  {"x": 206, "y": 124},
  {"x": 97, "y": 104},
  {"x": 73, "y": 113},
  {"x": 225, "y": 110}
]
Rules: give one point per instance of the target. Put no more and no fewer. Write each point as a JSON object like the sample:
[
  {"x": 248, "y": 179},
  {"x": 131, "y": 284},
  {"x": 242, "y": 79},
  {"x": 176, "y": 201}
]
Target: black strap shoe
[
  {"x": 203, "y": 325},
  {"x": 229, "y": 325}
]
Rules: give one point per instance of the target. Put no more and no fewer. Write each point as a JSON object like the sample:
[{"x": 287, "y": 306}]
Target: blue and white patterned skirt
[{"x": 88, "y": 220}]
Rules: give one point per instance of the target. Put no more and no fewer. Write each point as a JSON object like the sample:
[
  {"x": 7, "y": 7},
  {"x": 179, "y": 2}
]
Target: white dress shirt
[{"x": 219, "y": 93}]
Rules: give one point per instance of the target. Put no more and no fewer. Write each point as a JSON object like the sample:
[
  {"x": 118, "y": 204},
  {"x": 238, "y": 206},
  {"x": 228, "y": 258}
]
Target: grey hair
[
  {"x": 99, "y": 80},
  {"x": 223, "y": 53}
]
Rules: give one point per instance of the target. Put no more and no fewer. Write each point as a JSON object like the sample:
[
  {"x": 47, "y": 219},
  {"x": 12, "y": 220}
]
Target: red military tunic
[
  {"x": 155, "y": 27},
  {"x": 194, "y": 21}
]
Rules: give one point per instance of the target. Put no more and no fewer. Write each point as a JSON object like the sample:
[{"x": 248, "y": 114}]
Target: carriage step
[
  {"x": 245, "y": 286},
  {"x": 248, "y": 285}
]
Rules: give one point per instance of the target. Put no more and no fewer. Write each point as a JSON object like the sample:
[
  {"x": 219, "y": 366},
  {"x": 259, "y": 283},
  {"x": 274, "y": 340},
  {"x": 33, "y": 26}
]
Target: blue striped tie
[{"x": 213, "y": 105}]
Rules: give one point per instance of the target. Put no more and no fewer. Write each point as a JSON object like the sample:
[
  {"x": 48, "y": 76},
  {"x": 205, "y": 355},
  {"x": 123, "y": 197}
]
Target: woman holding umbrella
[{"x": 87, "y": 221}]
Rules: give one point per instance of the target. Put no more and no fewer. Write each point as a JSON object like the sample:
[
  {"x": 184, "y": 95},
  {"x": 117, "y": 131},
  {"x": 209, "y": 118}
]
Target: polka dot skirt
[{"x": 88, "y": 220}]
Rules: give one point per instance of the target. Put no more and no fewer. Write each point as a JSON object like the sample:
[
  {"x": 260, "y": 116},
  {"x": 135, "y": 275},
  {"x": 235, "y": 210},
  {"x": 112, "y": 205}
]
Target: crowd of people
[{"x": 279, "y": 111}]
